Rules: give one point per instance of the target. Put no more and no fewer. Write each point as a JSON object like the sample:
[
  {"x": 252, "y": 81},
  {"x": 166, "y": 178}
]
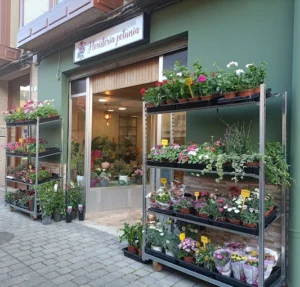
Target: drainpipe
[{"x": 294, "y": 218}]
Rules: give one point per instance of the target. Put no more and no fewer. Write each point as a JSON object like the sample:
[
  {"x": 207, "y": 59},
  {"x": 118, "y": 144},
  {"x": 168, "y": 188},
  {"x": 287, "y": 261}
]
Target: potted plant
[
  {"x": 183, "y": 205},
  {"x": 45, "y": 201},
  {"x": 250, "y": 217},
  {"x": 223, "y": 262},
  {"x": 94, "y": 176},
  {"x": 139, "y": 235},
  {"x": 74, "y": 197},
  {"x": 31, "y": 199},
  {"x": 129, "y": 233},
  {"x": 205, "y": 257},
  {"x": 139, "y": 176},
  {"x": 150, "y": 96},
  {"x": 217, "y": 209},
  {"x": 80, "y": 168},
  {"x": 170, "y": 245},
  {"x": 187, "y": 249},
  {"x": 233, "y": 211},
  {"x": 269, "y": 204},
  {"x": 58, "y": 204},
  {"x": 202, "y": 207},
  {"x": 155, "y": 236},
  {"x": 9, "y": 197},
  {"x": 122, "y": 170},
  {"x": 104, "y": 179}
]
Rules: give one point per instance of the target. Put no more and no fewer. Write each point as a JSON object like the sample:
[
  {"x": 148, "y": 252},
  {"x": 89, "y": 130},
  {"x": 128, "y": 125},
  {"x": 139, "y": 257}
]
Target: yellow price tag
[
  {"x": 196, "y": 193},
  {"x": 245, "y": 193},
  {"x": 204, "y": 239},
  {"x": 164, "y": 142},
  {"x": 182, "y": 236},
  {"x": 30, "y": 167},
  {"x": 189, "y": 82},
  {"x": 20, "y": 140},
  {"x": 163, "y": 181}
]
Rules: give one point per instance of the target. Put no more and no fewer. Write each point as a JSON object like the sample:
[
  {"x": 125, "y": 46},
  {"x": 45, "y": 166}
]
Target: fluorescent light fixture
[
  {"x": 110, "y": 110},
  {"x": 122, "y": 109},
  {"x": 134, "y": 116},
  {"x": 102, "y": 100}
]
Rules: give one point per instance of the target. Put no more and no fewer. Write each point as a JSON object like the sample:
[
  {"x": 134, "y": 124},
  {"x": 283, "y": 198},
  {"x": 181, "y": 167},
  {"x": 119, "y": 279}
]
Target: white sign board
[{"x": 116, "y": 37}]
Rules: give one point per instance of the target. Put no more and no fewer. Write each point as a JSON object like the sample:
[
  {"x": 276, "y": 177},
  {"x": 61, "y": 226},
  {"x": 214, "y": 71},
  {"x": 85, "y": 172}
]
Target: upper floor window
[{"x": 33, "y": 9}]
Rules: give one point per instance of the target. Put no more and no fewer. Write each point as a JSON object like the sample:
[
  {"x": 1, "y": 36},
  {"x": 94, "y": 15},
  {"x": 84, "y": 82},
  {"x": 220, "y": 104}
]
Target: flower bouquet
[
  {"x": 233, "y": 247},
  {"x": 251, "y": 271},
  {"x": 163, "y": 198},
  {"x": 177, "y": 190},
  {"x": 187, "y": 249},
  {"x": 222, "y": 262},
  {"x": 237, "y": 265}
]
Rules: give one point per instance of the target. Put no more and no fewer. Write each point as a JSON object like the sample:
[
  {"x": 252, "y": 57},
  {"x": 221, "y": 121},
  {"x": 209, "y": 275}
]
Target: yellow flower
[
  {"x": 206, "y": 258},
  {"x": 197, "y": 244},
  {"x": 20, "y": 140},
  {"x": 197, "y": 251},
  {"x": 188, "y": 81},
  {"x": 18, "y": 109}
]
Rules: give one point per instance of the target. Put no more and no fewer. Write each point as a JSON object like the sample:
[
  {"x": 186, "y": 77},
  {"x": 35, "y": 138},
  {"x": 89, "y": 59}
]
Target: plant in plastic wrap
[
  {"x": 222, "y": 262},
  {"x": 237, "y": 265},
  {"x": 251, "y": 271}
]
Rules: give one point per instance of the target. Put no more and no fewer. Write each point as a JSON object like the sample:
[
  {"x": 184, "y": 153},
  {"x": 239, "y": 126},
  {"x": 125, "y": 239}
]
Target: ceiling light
[
  {"x": 110, "y": 110},
  {"x": 102, "y": 100},
  {"x": 122, "y": 109},
  {"x": 134, "y": 116},
  {"x": 107, "y": 93}
]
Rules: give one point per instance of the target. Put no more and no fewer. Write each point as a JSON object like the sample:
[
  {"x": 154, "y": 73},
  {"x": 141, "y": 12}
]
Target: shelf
[
  {"x": 21, "y": 209},
  {"x": 249, "y": 171},
  {"x": 224, "y": 226},
  {"x": 33, "y": 122},
  {"x": 207, "y": 105},
  {"x": 273, "y": 281},
  {"x": 48, "y": 153},
  {"x": 26, "y": 183}
]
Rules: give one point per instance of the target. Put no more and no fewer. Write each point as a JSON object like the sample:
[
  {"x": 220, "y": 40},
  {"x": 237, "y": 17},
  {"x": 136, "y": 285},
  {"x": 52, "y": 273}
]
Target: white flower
[
  {"x": 245, "y": 207},
  {"x": 143, "y": 231},
  {"x": 234, "y": 199},
  {"x": 196, "y": 230},
  {"x": 162, "y": 234},
  {"x": 256, "y": 190},
  {"x": 249, "y": 65},
  {"x": 234, "y": 208},
  {"x": 229, "y": 209},
  {"x": 152, "y": 227},
  {"x": 251, "y": 209},
  {"x": 183, "y": 228},
  {"x": 192, "y": 153},
  {"x": 200, "y": 156},
  {"x": 225, "y": 207},
  {"x": 206, "y": 156},
  {"x": 232, "y": 64},
  {"x": 239, "y": 71},
  {"x": 239, "y": 206},
  {"x": 237, "y": 211},
  {"x": 55, "y": 187},
  {"x": 256, "y": 210},
  {"x": 168, "y": 241}
]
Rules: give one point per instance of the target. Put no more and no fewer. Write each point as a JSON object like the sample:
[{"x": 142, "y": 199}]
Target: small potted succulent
[
  {"x": 129, "y": 233},
  {"x": 183, "y": 205},
  {"x": 187, "y": 249}
]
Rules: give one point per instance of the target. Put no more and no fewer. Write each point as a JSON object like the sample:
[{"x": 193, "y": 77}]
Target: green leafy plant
[
  {"x": 184, "y": 203},
  {"x": 74, "y": 195},
  {"x": 228, "y": 79},
  {"x": 59, "y": 202},
  {"x": 155, "y": 235},
  {"x": 46, "y": 198},
  {"x": 205, "y": 256},
  {"x": 121, "y": 168},
  {"x": 129, "y": 233},
  {"x": 9, "y": 197},
  {"x": 171, "y": 242}
]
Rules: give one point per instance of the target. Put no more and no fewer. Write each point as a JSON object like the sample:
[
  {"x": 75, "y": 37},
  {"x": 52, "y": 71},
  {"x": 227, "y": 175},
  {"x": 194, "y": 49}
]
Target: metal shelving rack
[
  {"x": 37, "y": 158},
  {"x": 261, "y": 177}
]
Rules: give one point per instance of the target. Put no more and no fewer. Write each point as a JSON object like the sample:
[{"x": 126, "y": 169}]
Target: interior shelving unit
[
  {"x": 36, "y": 124},
  {"x": 128, "y": 129},
  {"x": 261, "y": 101}
]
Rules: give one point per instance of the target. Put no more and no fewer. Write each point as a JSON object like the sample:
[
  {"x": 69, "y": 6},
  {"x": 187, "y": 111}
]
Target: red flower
[
  {"x": 213, "y": 75},
  {"x": 158, "y": 84},
  {"x": 143, "y": 91},
  {"x": 165, "y": 82}
]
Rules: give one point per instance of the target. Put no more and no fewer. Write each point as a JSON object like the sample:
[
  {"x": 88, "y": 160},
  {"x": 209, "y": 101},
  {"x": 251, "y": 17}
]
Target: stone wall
[
  {"x": 273, "y": 232},
  {"x": 3, "y": 106}
]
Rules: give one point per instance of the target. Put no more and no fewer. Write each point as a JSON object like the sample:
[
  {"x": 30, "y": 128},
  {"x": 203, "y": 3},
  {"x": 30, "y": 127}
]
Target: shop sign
[{"x": 130, "y": 32}]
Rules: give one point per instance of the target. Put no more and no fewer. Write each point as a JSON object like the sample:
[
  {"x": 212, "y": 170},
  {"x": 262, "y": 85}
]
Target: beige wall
[{"x": 14, "y": 22}]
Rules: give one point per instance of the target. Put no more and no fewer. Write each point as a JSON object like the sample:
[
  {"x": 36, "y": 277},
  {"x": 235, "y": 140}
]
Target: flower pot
[
  {"x": 105, "y": 165},
  {"x": 123, "y": 178},
  {"x": 31, "y": 204},
  {"x": 182, "y": 100},
  {"x": 46, "y": 220},
  {"x": 221, "y": 219},
  {"x": 74, "y": 214},
  {"x": 140, "y": 252},
  {"x": 149, "y": 104},
  {"x": 57, "y": 217},
  {"x": 230, "y": 95},
  {"x": 131, "y": 249},
  {"x": 133, "y": 179},
  {"x": 170, "y": 253},
  {"x": 252, "y": 164},
  {"x": 272, "y": 208},
  {"x": 162, "y": 103},
  {"x": 208, "y": 97},
  {"x": 157, "y": 248},
  {"x": 246, "y": 93},
  {"x": 93, "y": 182},
  {"x": 267, "y": 213},
  {"x": 80, "y": 179},
  {"x": 188, "y": 259},
  {"x": 170, "y": 102},
  {"x": 184, "y": 211},
  {"x": 194, "y": 99},
  {"x": 256, "y": 90},
  {"x": 104, "y": 183},
  {"x": 139, "y": 180},
  {"x": 250, "y": 225},
  {"x": 203, "y": 215},
  {"x": 235, "y": 221}
]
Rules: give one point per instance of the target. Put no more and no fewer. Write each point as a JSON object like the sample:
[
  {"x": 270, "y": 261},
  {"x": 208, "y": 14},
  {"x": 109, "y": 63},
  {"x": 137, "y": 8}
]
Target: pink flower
[
  {"x": 202, "y": 78},
  {"x": 221, "y": 209}
]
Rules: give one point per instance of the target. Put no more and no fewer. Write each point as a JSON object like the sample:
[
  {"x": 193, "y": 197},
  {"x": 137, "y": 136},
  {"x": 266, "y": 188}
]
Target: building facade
[{"x": 211, "y": 31}]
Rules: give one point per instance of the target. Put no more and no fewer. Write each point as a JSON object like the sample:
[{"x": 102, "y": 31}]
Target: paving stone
[
  {"x": 141, "y": 273},
  {"x": 64, "y": 270},
  {"x": 79, "y": 272},
  {"x": 62, "y": 279},
  {"x": 81, "y": 280},
  {"x": 126, "y": 270},
  {"x": 96, "y": 274},
  {"x": 37, "y": 266},
  {"x": 62, "y": 264},
  {"x": 117, "y": 283},
  {"x": 51, "y": 275},
  {"x": 97, "y": 283},
  {"x": 185, "y": 283}
]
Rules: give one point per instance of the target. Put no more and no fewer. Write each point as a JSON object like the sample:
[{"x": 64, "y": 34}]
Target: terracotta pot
[
  {"x": 252, "y": 164},
  {"x": 208, "y": 97},
  {"x": 162, "y": 103},
  {"x": 221, "y": 219},
  {"x": 267, "y": 213},
  {"x": 250, "y": 225},
  {"x": 182, "y": 100},
  {"x": 272, "y": 208},
  {"x": 150, "y": 105},
  {"x": 184, "y": 211},
  {"x": 188, "y": 259},
  {"x": 230, "y": 95},
  {"x": 235, "y": 221},
  {"x": 30, "y": 204},
  {"x": 140, "y": 252},
  {"x": 170, "y": 102},
  {"x": 204, "y": 215},
  {"x": 131, "y": 249},
  {"x": 246, "y": 93},
  {"x": 194, "y": 99},
  {"x": 256, "y": 90}
]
